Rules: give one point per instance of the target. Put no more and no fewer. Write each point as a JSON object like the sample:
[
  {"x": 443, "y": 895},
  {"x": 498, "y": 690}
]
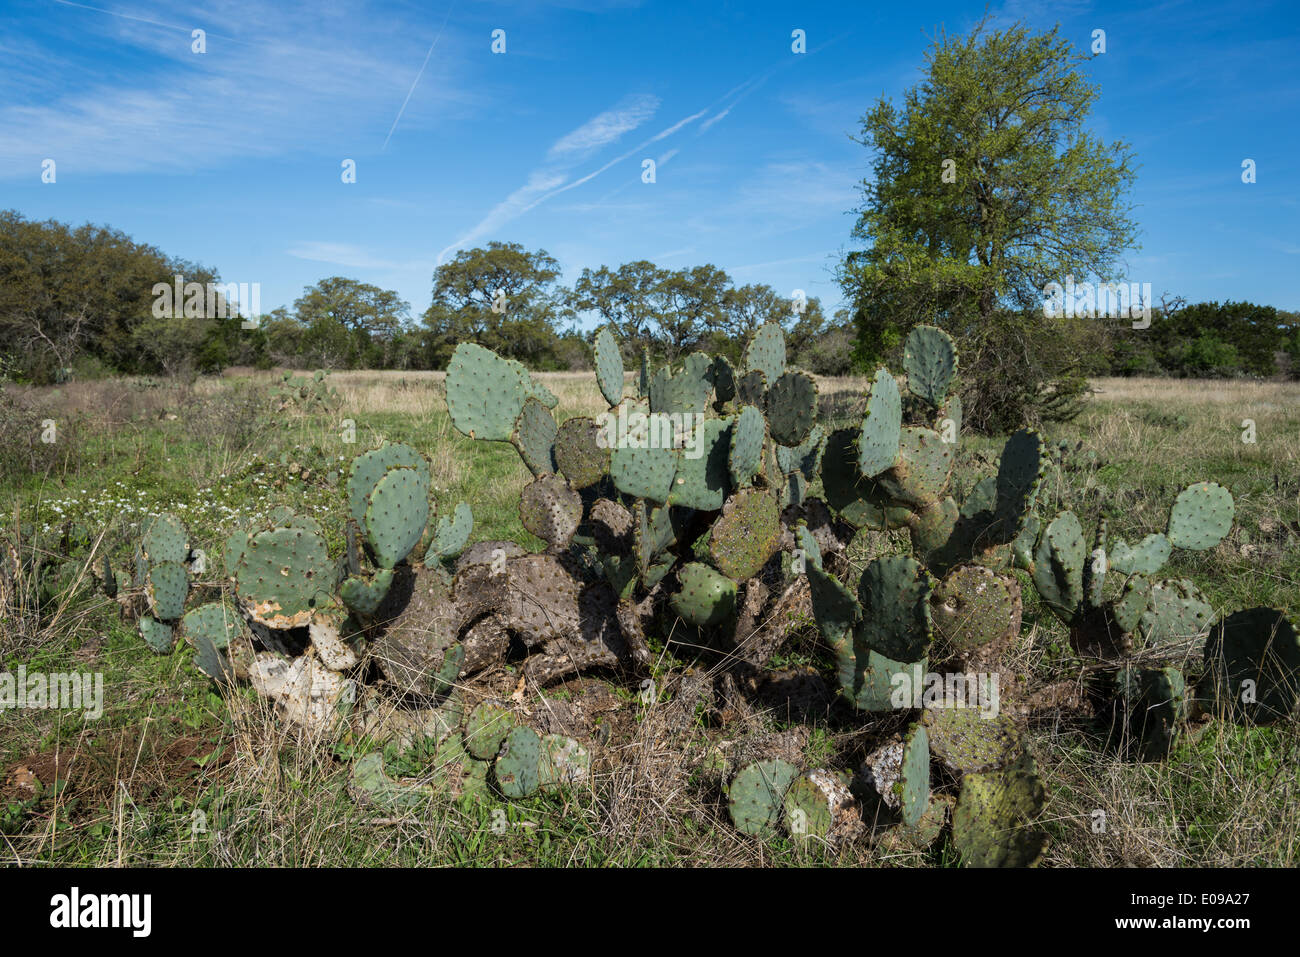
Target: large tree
[
  {"x": 501, "y": 296},
  {"x": 350, "y": 323},
  {"x": 986, "y": 187}
]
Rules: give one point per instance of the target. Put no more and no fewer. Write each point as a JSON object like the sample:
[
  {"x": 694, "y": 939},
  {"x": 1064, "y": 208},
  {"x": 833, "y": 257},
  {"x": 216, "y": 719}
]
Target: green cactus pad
[
  {"x": 1145, "y": 558},
  {"x": 453, "y": 659},
  {"x": 792, "y": 407},
  {"x": 397, "y": 512},
  {"x": 807, "y": 543},
  {"x": 859, "y": 501},
  {"x": 686, "y": 392},
  {"x": 837, "y": 613},
  {"x": 644, "y": 473},
  {"x": 813, "y": 804},
  {"x": 165, "y": 540},
  {"x": 894, "y": 593},
  {"x": 930, "y": 359},
  {"x": 992, "y": 824},
  {"x": 1095, "y": 568},
  {"x": 973, "y": 608},
  {"x": 1155, "y": 706},
  {"x": 485, "y": 393},
  {"x": 609, "y": 366},
  {"x": 1128, "y": 608},
  {"x": 1176, "y": 611},
  {"x": 532, "y": 388},
  {"x": 756, "y": 795},
  {"x": 233, "y": 550},
  {"x": 364, "y": 595},
  {"x": 966, "y": 741},
  {"x": 704, "y": 597},
  {"x": 534, "y": 437},
  {"x": 550, "y": 510},
  {"x": 724, "y": 380},
  {"x": 746, "y": 534},
  {"x": 564, "y": 762},
  {"x": 652, "y": 533},
  {"x": 805, "y": 457},
  {"x": 766, "y": 351},
  {"x": 518, "y": 766},
  {"x": 877, "y": 685},
  {"x": 486, "y": 726},
  {"x": 701, "y": 473},
  {"x": 1256, "y": 650},
  {"x": 933, "y": 528},
  {"x": 915, "y": 777},
  {"x": 281, "y": 573},
  {"x": 643, "y": 378},
  {"x": 1201, "y": 516},
  {"x": 746, "y": 453},
  {"x": 451, "y": 536},
  {"x": 370, "y": 783},
  {"x": 948, "y": 420},
  {"x": 168, "y": 585},
  {"x": 158, "y": 636},
  {"x": 752, "y": 388},
  {"x": 1020, "y": 475},
  {"x": 1058, "y": 565},
  {"x": 365, "y": 472},
  {"x": 579, "y": 454},
  {"x": 879, "y": 437},
  {"x": 216, "y": 632},
  {"x": 920, "y": 475}
]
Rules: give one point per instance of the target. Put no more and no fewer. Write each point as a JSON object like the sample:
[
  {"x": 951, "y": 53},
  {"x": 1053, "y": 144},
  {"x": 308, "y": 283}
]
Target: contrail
[
  {"x": 156, "y": 23},
  {"x": 418, "y": 75}
]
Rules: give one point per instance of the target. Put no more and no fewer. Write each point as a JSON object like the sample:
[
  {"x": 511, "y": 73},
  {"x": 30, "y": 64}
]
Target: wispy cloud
[
  {"x": 605, "y": 128},
  {"x": 350, "y": 256}
]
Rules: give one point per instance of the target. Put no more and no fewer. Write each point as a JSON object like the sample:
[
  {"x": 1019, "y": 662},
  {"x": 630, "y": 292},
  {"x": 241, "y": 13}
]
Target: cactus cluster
[
  {"x": 305, "y": 393},
  {"x": 706, "y": 500}
]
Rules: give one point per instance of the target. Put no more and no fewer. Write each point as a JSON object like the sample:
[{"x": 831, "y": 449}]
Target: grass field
[{"x": 174, "y": 773}]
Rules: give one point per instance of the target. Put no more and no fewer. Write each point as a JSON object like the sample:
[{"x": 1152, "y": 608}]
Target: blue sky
[{"x": 232, "y": 158}]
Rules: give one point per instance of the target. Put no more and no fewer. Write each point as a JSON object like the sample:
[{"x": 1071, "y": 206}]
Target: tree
[
  {"x": 501, "y": 296},
  {"x": 986, "y": 187},
  {"x": 350, "y": 323},
  {"x": 689, "y": 305},
  {"x": 623, "y": 298}
]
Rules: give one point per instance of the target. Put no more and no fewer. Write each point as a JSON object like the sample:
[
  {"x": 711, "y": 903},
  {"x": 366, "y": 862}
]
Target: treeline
[
  {"x": 82, "y": 302},
  {"x": 89, "y": 301}
]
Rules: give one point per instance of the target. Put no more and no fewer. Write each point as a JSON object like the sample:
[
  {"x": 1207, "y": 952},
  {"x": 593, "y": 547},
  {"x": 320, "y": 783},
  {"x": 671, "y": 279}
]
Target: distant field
[{"x": 168, "y": 746}]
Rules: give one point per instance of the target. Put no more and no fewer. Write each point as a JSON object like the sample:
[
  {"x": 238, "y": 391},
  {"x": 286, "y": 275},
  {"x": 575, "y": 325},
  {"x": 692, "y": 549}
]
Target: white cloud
[{"x": 605, "y": 128}]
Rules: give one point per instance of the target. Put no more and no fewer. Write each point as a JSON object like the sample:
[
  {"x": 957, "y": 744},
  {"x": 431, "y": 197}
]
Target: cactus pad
[
  {"x": 879, "y": 437},
  {"x": 766, "y": 351},
  {"x": 1175, "y": 611},
  {"x": 1155, "y": 702},
  {"x": 1254, "y": 654},
  {"x": 644, "y": 472},
  {"x": 915, "y": 778},
  {"x": 1058, "y": 565},
  {"x": 485, "y": 393},
  {"x": 814, "y": 804},
  {"x": 165, "y": 540},
  {"x": 704, "y": 597},
  {"x": 701, "y": 473},
  {"x": 895, "y": 596},
  {"x": 280, "y": 575},
  {"x": 219, "y": 638},
  {"x": 486, "y": 726},
  {"x": 1201, "y": 516},
  {"x": 168, "y": 585},
  {"x": 920, "y": 474},
  {"x": 158, "y": 636},
  {"x": 746, "y": 534},
  {"x": 609, "y": 366},
  {"x": 752, "y": 388},
  {"x": 564, "y": 762},
  {"x": 518, "y": 766},
  {"x": 792, "y": 407},
  {"x": 974, "y": 608},
  {"x": 550, "y": 510},
  {"x": 756, "y": 795},
  {"x": 965, "y": 741},
  {"x": 746, "y": 453},
  {"x": 579, "y": 454},
  {"x": 930, "y": 360},
  {"x": 397, "y": 512},
  {"x": 451, "y": 536},
  {"x": 367, "y": 469},
  {"x": 534, "y": 437},
  {"x": 1145, "y": 558},
  {"x": 364, "y": 595},
  {"x": 992, "y": 824}
]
